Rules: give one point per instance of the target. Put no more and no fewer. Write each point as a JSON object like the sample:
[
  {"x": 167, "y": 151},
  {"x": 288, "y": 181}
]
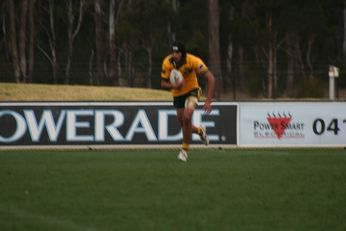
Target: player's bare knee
[{"x": 191, "y": 102}]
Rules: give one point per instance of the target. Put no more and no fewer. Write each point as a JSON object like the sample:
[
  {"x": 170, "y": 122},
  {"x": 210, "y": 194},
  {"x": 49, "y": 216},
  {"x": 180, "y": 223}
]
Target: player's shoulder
[
  {"x": 197, "y": 63},
  {"x": 192, "y": 58},
  {"x": 168, "y": 59}
]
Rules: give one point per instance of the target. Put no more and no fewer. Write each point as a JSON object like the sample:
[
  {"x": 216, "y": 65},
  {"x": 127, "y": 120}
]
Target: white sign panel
[{"x": 292, "y": 124}]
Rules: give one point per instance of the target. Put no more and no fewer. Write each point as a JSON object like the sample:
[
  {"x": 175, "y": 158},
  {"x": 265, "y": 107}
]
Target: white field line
[{"x": 45, "y": 219}]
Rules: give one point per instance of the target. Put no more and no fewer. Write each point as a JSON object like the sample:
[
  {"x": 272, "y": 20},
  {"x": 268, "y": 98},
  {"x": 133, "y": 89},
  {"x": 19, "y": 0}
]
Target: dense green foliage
[{"x": 305, "y": 36}]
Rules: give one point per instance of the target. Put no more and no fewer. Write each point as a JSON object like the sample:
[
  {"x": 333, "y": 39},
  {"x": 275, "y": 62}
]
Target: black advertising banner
[{"x": 106, "y": 123}]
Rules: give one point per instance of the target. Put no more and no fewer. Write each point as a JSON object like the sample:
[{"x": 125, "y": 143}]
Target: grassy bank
[{"x": 45, "y": 92}]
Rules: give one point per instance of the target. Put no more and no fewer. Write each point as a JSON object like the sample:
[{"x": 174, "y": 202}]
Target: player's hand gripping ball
[{"x": 176, "y": 78}]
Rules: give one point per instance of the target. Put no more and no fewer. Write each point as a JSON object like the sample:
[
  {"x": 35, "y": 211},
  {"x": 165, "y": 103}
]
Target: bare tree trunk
[
  {"x": 129, "y": 69},
  {"x": 31, "y": 40},
  {"x": 308, "y": 58},
  {"x": 99, "y": 42},
  {"x": 13, "y": 41},
  {"x": 52, "y": 42},
  {"x": 72, "y": 33},
  {"x": 171, "y": 33},
  {"x": 119, "y": 69},
  {"x": 4, "y": 30},
  {"x": 343, "y": 66},
  {"x": 214, "y": 43},
  {"x": 229, "y": 55},
  {"x": 230, "y": 58},
  {"x": 52, "y": 57},
  {"x": 70, "y": 41},
  {"x": 91, "y": 72},
  {"x": 22, "y": 41},
  {"x": 126, "y": 61},
  {"x": 344, "y": 43},
  {"x": 114, "y": 12},
  {"x": 112, "y": 45},
  {"x": 150, "y": 64},
  {"x": 259, "y": 58},
  {"x": 290, "y": 62},
  {"x": 229, "y": 66},
  {"x": 261, "y": 62},
  {"x": 270, "y": 60},
  {"x": 298, "y": 53},
  {"x": 270, "y": 74},
  {"x": 241, "y": 60},
  {"x": 128, "y": 65},
  {"x": 275, "y": 74}
]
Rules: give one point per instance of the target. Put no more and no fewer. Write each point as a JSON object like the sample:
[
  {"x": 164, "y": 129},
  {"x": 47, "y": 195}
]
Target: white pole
[
  {"x": 331, "y": 88},
  {"x": 333, "y": 73}
]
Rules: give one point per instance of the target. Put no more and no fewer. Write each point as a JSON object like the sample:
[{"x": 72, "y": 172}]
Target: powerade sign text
[{"x": 107, "y": 124}]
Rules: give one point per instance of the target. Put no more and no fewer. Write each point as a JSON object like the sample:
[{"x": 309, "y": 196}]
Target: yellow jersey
[{"x": 190, "y": 68}]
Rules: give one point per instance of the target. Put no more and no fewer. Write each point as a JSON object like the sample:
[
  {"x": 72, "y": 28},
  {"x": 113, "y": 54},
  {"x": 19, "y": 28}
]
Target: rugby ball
[{"x": 176, "y": 77}]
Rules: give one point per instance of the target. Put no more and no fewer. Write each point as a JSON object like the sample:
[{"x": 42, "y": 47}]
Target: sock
[
  {"x": 185, "y": 147},
  {"x": 199, "y": 131}
]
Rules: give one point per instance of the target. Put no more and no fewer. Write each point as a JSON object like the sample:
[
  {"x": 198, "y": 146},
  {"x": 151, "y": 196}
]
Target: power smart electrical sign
[
  {"x": 292, "y": 124},
  {"x": 279, "y": 125}
]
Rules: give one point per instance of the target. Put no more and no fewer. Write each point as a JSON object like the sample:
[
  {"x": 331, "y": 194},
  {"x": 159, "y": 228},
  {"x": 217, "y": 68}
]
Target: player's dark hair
[{"x": 179, "y": 46}]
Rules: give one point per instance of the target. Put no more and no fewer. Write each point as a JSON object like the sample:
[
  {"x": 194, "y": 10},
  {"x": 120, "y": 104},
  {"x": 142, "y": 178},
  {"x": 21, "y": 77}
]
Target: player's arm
[
  {"x": 165, "y": 83},
  {"x": 202, "y": 69},
  {"x": 210, "y": 91}
]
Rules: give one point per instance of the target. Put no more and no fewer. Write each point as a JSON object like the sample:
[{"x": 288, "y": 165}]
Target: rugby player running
[{"x": 186, "y": 93}]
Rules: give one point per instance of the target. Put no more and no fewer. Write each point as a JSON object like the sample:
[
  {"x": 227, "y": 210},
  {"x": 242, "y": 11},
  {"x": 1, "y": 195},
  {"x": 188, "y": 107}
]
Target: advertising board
[
  {"x": 108, "y": 123},
  {"x": 292, "y": 124}
]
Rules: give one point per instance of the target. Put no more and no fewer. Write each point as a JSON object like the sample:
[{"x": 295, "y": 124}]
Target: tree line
[{"x": 268, "y": 48}]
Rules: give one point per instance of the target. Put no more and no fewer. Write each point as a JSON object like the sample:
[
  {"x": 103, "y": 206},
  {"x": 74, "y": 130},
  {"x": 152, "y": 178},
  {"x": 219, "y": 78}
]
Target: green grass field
[{"x": 303, "y": 189}]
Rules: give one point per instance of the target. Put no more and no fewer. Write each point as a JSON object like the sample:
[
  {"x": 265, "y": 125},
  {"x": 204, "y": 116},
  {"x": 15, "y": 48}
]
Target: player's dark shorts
[{"x": 179, "y": 101}]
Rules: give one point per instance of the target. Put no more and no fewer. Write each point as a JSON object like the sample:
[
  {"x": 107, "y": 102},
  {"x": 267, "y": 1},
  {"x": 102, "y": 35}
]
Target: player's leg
[
  {"x": 185, "y": 146},
  {"x": 187, "y": 128},
  {"x": 191, "y": 103},
  {"x": 179, "y": 104},
  {"x": 180, "y": 113},
  {"x": 190, "y": 106},
  {"x": 201, "y": 131},
  {"x": 197, "y": 129},
  {"x": 185, "y": 118}
]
